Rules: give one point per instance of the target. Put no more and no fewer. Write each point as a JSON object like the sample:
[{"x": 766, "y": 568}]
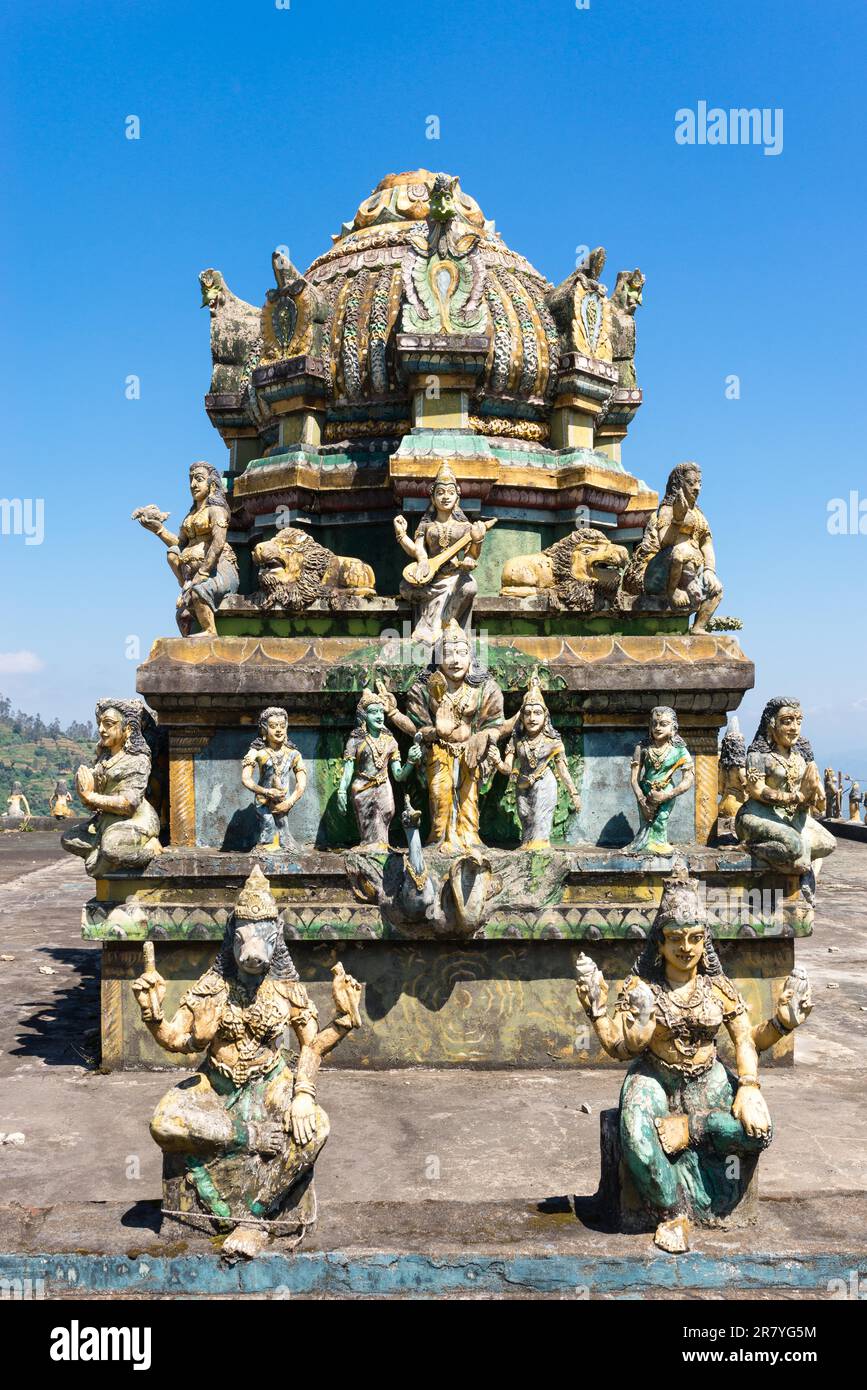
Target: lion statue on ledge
[
  {"x": 295, "y": 571},
  {"x": 576, "y": 572}
]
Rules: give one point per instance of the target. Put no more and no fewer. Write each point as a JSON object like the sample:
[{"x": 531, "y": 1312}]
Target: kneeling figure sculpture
[
  {"x": 241, "y": 1136},
  {"x": 690, "y": 1131}
]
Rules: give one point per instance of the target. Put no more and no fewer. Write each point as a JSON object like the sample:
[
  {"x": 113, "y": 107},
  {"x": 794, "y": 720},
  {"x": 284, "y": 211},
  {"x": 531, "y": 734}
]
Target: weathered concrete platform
[
  {"x": 439, "y": 1249},
  {"x": 477, "y": 1166}
]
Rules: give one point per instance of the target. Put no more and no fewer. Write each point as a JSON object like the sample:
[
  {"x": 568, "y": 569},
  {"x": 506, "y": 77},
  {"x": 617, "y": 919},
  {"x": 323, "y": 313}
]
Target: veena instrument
[{"x": 436, "y": 562}]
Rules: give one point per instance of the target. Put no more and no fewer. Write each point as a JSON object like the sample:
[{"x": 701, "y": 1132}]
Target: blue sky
[{"x": 262, "y": 126}]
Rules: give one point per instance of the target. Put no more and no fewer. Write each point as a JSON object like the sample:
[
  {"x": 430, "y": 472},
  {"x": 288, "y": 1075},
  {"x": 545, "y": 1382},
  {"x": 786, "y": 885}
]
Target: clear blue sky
[{"x": 262, "y": 126}]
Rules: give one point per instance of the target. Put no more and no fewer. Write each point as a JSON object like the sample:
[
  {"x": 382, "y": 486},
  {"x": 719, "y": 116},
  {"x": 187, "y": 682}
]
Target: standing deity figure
[
  {"x": 675, "y": 557},
  {"x": 535, "y": 760},
  {"x": 777, "y": 823},
  {"x": 855, "y": 803},
  {"x": 683, "y": 1114},
  {"x": 456, "y": 715},
  {"x": 60, "y": 802},
  {"x": 241, "y": 1136},
  {"x": 201, "y": 558},
  {"x": 17, "y": 803},
  {"x": 439, "y": 585},
  {"x": 123, "y": 832},
  {"x": 277, "y": 763},
  {"x": 656, "y": 762},
  {"x": 369, "y": 754}
]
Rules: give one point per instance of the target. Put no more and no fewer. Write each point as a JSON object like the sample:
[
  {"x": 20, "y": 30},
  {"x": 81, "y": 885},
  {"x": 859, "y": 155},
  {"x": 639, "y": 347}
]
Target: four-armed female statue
[
  {"x": 784, "y": 789},
  {"x": 439, "y": 585},
  {"x": 240, "y": 1137},
  {"x": 683, "y": 1115},
  {"x": 200, "y": 557},
  {"x": 457, "y": 715},
  {"x": 675, "y": 557},
  {"x": 655, "y": 763},
  {"x": 123, "y": 832},
  {"x": 369, "y": 754},
  {"x": 536, "y": 760},
  {"x": 276, "y": 760}
]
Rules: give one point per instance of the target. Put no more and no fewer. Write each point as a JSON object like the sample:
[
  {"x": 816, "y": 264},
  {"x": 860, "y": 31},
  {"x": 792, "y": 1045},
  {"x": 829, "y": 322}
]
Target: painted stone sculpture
[
  {"x": 855, "y": 802},
  {"x": 536, "y": 760},
  {"x": 17, "y": 803},
  {"x": 370, "y": 753},
  {"x": 675, "y": 557},
  {"x": 443, "y": 269},
  {"x": 456, "y": 714},
  {"x": 200, "y": 557},
  {"x": 236, "y": 334},
  {"x": 579, "y": 308},
  {"x": 282, "y": 779},
  {"x": 683, "y": 1114},
  {"x": 833, "y": 794},
  {"x": 581, "y": 572},
  {"x": 445, "y": 550},
  {"x": 295, "y": 571},
  {"x": 241, "y": 1136},
  {"x": 622, "y": 305},
  {"x": 777, "y": 822},
  {"x": 662, "y": 770},
  {"x": 60, "y": 802},
  {"x": 123, "y": 832},
  {"x": 731, "y": 779}
]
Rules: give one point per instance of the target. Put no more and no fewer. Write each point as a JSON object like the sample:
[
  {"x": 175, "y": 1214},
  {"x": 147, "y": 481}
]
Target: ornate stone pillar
[{"x": 184, "y": 744}]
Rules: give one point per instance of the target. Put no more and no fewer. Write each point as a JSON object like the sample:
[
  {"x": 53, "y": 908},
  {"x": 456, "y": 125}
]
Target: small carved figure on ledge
[
  {"x": 833, "y": 795},
  {"x": 675, "y": 557},
  {"x": 731, "y": 779},
  {"x": 439, "y": 585},
  {"x": 581, "y": 572},
  {"x": 369, "y": 754},
  {"x": 777, "y": 823},
  {"x": 456, "y": 714},
  {"x": 536, "y": 760},
  {"x": 60, "y": 802},
  {"x": 17, "y": 803},
  {"x": 656, "y": 762},
  {"x": 683, "y": 1114},
  {"x": 200, "y": 557},
  {"x": 295, "y": 571},
  {"x": 621, "y": 307},
  {"x": 241, "y": 1136},
  {"x": 855, "y": 803},
  {"x": 282, "y": 779},
  {"x": 123, "y": 832}
]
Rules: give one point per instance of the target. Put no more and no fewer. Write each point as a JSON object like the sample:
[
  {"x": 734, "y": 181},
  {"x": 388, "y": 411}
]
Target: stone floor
[{"x": 483, "y": 1159}]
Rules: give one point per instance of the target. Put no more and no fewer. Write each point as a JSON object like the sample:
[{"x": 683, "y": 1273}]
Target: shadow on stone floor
[{"x": 64, "y": 1030}]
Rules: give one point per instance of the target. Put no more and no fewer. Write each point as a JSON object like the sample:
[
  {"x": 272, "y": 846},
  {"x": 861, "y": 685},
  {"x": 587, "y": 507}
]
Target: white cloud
[{"x": 20, "y": 663}]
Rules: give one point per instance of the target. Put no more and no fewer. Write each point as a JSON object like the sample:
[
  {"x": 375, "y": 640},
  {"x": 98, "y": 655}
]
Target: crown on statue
[
  {"x": 255, "y": 902},
  {"x": 453, "y": 632},
  {"x": 533, "y": 694},
  {"x": 446, "y": 474}
]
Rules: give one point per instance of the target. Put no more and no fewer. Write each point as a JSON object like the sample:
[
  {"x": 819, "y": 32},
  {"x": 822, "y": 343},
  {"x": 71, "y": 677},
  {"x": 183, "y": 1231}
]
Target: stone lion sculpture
[
  {"x": 576, "y": 571},
  {"x": 295, "y": 571}
]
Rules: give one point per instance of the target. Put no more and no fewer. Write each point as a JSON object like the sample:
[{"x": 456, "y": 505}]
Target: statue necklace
[
  {"x": 656, "y": 756},
  {"x": 378, "y": 748},
  {"x": 790, "y": 768}
]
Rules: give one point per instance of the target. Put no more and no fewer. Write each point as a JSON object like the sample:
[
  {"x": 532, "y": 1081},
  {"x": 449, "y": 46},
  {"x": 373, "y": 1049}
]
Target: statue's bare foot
[
  {"x": 247, "y": 1241},
  {"x": 267, "y": 1137},
  {"x": 673, "y": 1133},
  {"x": 673, "y": 1236},
  {"x": 680, "y": 599}
]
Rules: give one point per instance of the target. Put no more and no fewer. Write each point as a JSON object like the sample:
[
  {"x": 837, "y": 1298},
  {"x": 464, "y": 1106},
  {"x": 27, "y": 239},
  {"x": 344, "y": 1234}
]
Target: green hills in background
[{"x": 36, "y": 754}]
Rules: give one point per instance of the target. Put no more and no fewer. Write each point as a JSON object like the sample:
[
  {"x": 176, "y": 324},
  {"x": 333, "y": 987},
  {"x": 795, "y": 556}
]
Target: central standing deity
[
  {"x": 439, "y": 585},
  {"x": 456, "y": 713}
]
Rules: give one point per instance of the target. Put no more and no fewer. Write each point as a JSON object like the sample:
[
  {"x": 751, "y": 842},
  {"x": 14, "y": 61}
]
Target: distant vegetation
[{"x": 36, "y": 754}]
